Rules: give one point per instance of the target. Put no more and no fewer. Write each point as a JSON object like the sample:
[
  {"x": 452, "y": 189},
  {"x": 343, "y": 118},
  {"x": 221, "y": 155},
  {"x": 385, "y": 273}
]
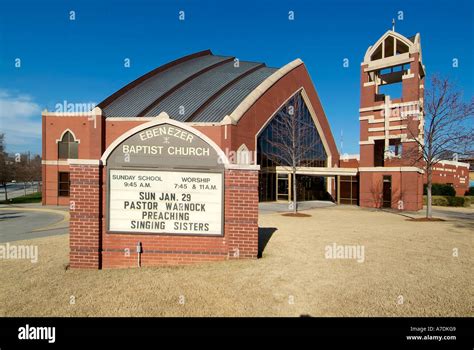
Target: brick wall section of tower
[
  {"x": 84, "y": 225},
  {"x": 405, "y": 194},
  {"x": 240, "y": 239}
]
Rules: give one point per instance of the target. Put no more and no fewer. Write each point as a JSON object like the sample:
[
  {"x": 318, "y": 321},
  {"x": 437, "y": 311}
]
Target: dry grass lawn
[{"x": 402, "y": 258}]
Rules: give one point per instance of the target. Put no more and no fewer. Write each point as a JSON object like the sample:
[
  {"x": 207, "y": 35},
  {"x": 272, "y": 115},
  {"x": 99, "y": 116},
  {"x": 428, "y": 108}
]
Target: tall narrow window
[
  {"x": 379, "y": 150},
  {"x": 63, "y": 184},
  {"x": 67, "y": 147}
]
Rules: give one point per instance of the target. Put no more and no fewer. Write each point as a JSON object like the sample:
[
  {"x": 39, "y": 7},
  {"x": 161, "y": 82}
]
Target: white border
[
  {"x": 391, "y": 169},
  {"x": 318, "y": 171},
  {"x": 84, "y": 162},
  {"x": 54, "y": 162}
]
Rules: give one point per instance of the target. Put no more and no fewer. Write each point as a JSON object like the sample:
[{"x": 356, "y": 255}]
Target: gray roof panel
[
  {"x": 182, "y": 103},
  {"x": 226, "y": 102},
  {"x": 140, "y": 97},
  {"x": 201, "y": 87}
]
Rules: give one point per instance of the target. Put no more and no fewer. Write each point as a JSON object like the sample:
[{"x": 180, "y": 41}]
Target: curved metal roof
[{"x": 201, "y": 87}]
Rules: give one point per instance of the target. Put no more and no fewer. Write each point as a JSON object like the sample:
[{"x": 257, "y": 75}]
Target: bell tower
[{"x": 391, "y": 123}]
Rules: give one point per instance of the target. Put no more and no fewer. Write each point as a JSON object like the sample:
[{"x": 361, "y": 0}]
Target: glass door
[
  {"x": 282, "y": 187},
  {"x": 387, "y": 191}
]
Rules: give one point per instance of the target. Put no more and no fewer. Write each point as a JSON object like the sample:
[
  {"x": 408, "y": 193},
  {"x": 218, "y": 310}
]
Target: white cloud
[{"x": 20, "y": 118}]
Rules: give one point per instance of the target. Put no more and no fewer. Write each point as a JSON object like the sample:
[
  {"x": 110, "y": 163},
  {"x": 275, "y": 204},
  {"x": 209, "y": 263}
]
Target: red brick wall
[
  {"x": 89, "y": 134},
  {"x": 50, "y": 185},
  {"x": 411, "y": 86},
  {"x": 348, "y": 162},
  {"x": 258, "y": 114},
  {"x": 92, "y": 247},
  {"x": 84, "y": 224},
  {"x": 407, "y": 186},
  {"x": 367, "y": 93},
  {"x": 457, "y": 175}
]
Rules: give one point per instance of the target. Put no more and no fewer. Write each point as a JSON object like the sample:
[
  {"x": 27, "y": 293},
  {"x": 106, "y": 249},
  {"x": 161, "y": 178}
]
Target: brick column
[
  {"x": 241, "y": 212},
  {"x": 85, "y": 212}
]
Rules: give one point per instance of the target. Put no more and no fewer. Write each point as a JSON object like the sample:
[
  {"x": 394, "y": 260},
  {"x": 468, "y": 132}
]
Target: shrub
[
  {"x": 470, "y": 192},
  {"x": 459, "y": 201},
  {"x": 440, "y": 190},
  {"x": 440, "y": 201},
  {"x": 449, "y": 201}
]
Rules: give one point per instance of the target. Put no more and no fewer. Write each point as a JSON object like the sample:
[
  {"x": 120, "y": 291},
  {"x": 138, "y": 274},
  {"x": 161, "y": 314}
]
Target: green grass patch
[{"x": 29, "y": 198}]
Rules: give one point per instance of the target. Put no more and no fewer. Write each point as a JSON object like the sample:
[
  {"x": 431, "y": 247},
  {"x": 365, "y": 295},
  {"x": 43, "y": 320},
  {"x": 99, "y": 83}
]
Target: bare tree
[
  {"x": 292, "y": 142},
  {"x": 27, "y": 170},
  {"x": 448, "y": 129},
  {"x": 21, "y": 169},
  {"x": 6, "y": 171},
  {"x": 36, "y": 171}
]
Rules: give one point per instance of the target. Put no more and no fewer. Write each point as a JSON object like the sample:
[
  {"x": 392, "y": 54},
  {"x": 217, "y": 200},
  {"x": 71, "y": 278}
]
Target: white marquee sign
[{"x": 149, "y": 201}]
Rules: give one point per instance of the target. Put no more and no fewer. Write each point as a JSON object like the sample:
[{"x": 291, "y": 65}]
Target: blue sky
[{"x": 81, "y": 61}]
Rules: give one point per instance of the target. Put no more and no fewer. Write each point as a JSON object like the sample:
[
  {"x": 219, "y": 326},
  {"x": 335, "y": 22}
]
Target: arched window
[
  {"x": 243, "y": 155},
  {"x": 390, "y": 46},
  {"x": 291, "y": 136},
  {"x": 67, "y": 147}
]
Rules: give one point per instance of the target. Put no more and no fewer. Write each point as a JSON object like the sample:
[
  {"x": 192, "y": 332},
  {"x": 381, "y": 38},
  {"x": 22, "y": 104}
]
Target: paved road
[
  {"x": 32, "y": 221},
  {"x": 17, "y": 189}
]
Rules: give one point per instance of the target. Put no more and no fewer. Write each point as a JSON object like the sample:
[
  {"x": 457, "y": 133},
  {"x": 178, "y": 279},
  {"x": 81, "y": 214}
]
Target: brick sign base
[
  {"x": 85, "y": 216},
  {"x": 91, "y": 246}
]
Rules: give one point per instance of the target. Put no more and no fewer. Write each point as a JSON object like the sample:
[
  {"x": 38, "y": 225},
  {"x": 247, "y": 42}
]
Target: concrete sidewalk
[
  {"x": 279, "y": 207},
  {"x": 446, "y": 213},
  {"x": 454, "y": 213}
]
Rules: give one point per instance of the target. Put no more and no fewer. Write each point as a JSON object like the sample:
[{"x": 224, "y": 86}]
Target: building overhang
[
  {"x": 319, "y": 171},
  {"x": 391, "y": 169}
]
